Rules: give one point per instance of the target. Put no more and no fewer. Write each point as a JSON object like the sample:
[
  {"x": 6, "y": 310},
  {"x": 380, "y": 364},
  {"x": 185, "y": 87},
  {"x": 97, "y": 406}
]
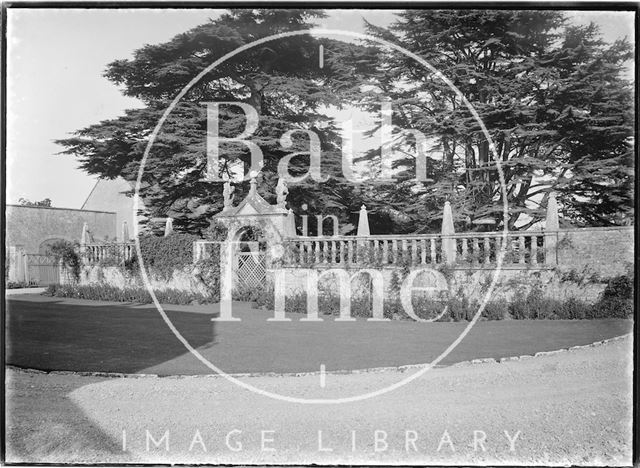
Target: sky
[{"x": 55, "y": 62}]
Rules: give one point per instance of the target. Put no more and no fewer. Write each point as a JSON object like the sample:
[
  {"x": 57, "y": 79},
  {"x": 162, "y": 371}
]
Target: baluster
[
  {"x": 349, "y": 251},
  {"x": 332, "y": 252},
  {"x": 522, "y": 258},
  {"x": 316, "y": 246},
  {"x": 534, "y": 250},
  {"x": 414, "y": 251},
  {"x": 476, "y": 250},
  {"x": 433, "y": 251},
  {"x": 487, "y": 250},
  {"x": 376, "y": 247},
  {"x": 329, "y": 252},
  {"x": 385, "y": 252},
  {"x": 394, "y": 249},
  {"x": 465, "y": 249},
  {"x": 423, "y": 251}
]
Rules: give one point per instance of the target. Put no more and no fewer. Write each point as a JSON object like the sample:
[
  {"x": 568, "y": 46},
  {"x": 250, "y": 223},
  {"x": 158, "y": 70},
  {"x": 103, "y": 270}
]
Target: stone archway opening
[
  {"x": 45, "y": 246},
  {"x": 249, "y": 260}
]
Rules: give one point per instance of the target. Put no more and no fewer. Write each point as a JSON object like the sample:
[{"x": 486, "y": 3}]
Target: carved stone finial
[
  {"x": 227, "y": 193},
  {"x": 281, "y": 193}
]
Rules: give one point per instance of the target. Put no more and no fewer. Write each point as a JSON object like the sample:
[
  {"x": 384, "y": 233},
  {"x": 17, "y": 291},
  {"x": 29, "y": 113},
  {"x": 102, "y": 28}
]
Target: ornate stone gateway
[{"x": 254, "y": 228}]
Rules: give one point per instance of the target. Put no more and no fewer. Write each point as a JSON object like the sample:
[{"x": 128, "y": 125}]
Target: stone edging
[
  {"x": 542, "y": 353},
  {"x": 314, "y": 373}
]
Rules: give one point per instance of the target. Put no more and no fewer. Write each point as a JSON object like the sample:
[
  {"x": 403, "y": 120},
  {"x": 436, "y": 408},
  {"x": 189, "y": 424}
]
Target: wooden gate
[
  {"x": 250, "y": 271},
  {"x": 250, "y": 266},
  {"x": 42, "y": 270}
]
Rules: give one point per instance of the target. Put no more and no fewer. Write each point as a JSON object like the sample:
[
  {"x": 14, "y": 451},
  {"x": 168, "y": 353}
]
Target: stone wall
[
  {"x": 585, "y": 259},
  {"x": 183, "y": 280},
  {"x": 607, "y": 251},
  {"x": 473, "y": 284},
  {"x": 30, "y": 226}
]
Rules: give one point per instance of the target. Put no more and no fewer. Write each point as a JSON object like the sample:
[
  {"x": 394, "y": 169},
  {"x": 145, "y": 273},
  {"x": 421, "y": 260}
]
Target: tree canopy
[
  {"x": 280, "y": 79},
  {"x": 550, "y": 93}
]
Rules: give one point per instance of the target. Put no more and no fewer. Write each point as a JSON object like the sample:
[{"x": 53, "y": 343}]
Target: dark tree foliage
[
  {"x": 550, "y": 94},
  {"x": 281, "y": 79}
]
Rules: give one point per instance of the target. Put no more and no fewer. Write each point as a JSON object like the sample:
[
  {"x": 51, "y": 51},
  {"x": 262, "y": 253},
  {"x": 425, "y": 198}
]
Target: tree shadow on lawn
[
  {"x": 54, "y": 334},
  {"x": 61, "y": 335}
]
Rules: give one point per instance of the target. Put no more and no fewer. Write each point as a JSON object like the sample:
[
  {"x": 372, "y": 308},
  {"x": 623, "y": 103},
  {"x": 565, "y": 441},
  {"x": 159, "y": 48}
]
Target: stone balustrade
[
  {"x": 526, "y": 248},
  {"x": 107, "y": 252}
]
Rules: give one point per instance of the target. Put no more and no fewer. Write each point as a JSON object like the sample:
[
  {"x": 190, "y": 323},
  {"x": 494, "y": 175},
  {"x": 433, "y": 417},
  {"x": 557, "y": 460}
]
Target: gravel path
[{"x": 571, "y": 408}]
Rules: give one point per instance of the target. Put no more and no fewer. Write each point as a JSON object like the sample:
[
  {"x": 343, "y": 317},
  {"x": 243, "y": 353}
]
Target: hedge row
[
  {"x": 105, "y": 292},
  {"x": 615, "y": 302}
]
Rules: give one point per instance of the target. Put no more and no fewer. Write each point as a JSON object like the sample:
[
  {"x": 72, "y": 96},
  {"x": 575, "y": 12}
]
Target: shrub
[
  {"x": 496, "y": 311},
  {"x": 532, "y": 306},
  {"x": 163, "y": 255},
  {"x": 246, "y": 294},
  {"x": 572, "y": 309},
  {"x": 104, "y": 292},
  {"x": 616, "y": 301},
  {"x": 67, "y": 252},
  {"x": 620, "y": 287},
  {"x": 612, "y": 308},
  {"x": 460, "y": 309}
]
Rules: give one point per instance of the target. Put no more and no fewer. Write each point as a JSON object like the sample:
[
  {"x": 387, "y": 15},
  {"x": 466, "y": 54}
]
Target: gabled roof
[{"x": 253, "y": 204}]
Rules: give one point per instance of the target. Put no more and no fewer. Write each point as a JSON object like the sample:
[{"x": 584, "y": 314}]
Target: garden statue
[
  {"x": 227, "y": 193},
  {"x": 281, "y": 193}
]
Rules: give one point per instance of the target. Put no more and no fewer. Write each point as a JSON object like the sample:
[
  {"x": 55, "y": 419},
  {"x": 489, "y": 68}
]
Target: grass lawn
[{"x": 65, "y": 334}]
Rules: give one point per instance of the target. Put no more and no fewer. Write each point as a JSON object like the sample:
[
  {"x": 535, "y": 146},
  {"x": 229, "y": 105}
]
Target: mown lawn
[{"x": 65, "y": 334}]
